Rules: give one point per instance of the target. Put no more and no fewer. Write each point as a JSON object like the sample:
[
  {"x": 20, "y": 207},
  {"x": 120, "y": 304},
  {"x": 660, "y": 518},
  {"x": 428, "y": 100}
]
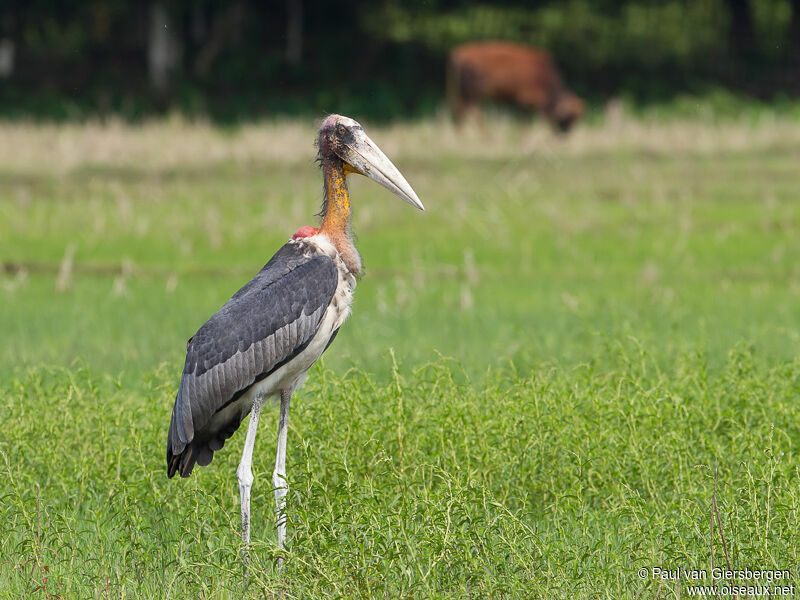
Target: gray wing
[{"x": 263, "y": 326}]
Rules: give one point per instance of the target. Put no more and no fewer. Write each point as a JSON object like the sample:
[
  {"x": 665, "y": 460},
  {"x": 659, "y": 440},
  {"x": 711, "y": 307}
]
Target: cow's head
[{"x": 567, "y": 110}]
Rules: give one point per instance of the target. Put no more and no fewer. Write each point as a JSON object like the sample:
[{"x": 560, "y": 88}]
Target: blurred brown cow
[{"x": 512, "y": 73}]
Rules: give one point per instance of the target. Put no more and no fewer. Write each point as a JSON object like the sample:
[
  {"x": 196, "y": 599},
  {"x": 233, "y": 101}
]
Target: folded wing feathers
[
  {"x": 243, "y": 341},
  {"x": 200, "y": 394}
]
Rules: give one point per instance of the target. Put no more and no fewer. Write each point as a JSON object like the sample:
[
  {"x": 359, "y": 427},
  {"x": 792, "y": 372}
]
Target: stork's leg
[
  {"x": 279, "y": 475},
  {"x": 245, "y": 471}
]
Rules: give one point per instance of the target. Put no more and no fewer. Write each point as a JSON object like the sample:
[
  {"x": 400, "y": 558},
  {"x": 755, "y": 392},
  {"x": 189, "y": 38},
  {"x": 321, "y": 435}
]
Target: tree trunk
[
  {"x": 742, "y": 33},
  {"x": 163, "y": 48},
  {"x": 793, "y": 35},
  {"x": 226, "y": 28},
  {"x": 8, "y": 46},
  {"x": 294, "y": 32}
]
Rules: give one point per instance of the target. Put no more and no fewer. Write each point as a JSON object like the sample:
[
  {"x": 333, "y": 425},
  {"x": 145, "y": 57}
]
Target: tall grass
[
  {"x": 557, "y": 483},
  {"x": 164, "y": 145},
  {"x": 548, "y": 379}
]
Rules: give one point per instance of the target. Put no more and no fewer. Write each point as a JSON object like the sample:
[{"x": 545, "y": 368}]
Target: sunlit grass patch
[
  {"x": 427, "y": 485},
  {"x": 541, "y": 375}
]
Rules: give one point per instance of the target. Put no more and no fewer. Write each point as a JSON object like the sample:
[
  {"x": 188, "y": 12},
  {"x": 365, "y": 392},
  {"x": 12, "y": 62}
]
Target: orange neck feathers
[
  {"x": 336, "y": 212},
  {"x": 336, "y": 216}
]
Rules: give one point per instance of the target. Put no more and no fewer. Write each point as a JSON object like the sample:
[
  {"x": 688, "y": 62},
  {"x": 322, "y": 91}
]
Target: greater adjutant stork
[{"x": 263, "y": 341}]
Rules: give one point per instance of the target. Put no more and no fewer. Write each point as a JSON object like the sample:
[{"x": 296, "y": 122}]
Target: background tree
[{"x": 243, "y": 58}]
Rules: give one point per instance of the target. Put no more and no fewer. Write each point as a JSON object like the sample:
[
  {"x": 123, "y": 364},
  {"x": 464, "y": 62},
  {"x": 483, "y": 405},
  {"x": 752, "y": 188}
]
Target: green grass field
[{"x": 540, "y": 378}]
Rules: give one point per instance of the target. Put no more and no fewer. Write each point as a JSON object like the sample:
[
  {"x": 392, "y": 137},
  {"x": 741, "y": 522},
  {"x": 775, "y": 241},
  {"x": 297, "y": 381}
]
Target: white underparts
[{"x": 290, "y": 376}]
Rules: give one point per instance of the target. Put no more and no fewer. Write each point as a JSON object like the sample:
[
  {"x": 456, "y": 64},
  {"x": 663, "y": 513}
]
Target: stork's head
[{"x": 344, "y": 139}]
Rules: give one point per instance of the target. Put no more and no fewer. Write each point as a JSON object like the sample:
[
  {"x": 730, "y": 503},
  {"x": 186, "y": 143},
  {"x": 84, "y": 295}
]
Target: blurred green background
[{"x": 381, "y": 60}]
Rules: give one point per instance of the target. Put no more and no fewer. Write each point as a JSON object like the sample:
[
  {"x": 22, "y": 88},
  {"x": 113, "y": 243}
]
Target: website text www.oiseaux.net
[{"x": 764, "y": 583}]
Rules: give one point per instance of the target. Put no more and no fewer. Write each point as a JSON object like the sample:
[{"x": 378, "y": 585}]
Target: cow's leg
[{"x": 473, "y": 113}]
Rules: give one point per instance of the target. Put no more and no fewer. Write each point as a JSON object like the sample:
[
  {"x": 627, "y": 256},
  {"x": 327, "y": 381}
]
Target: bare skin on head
[{"x": 345, "y": 149}]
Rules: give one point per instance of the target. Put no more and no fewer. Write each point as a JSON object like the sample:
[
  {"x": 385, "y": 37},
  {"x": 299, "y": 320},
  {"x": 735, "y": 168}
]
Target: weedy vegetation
[{"x": 548, "y": 379}]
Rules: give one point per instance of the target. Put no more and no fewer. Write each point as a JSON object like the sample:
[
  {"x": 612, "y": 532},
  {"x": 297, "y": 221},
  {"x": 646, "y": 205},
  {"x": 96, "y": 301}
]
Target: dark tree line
[{"x": 384, "y": 58}]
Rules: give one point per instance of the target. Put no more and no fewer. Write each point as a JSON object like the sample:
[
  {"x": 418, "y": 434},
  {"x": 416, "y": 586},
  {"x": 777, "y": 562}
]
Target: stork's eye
[{"x": 340, "y": 129}]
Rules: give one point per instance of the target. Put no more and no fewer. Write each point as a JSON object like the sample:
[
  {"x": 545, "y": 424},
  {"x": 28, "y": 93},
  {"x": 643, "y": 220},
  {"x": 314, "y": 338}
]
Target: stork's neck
[
  {"x": 336, "y": 209},
  {"x": 336, "y": 213}
]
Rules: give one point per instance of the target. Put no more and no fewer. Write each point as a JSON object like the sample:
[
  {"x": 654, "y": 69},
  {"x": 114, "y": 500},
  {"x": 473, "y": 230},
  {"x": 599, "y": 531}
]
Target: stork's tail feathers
[
  {"x": 184, "y": 461},
  {"x": 182, "y": 457}
]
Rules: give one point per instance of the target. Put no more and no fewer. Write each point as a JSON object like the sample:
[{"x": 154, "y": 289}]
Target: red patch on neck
[{"x": 305, "y": 231}]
